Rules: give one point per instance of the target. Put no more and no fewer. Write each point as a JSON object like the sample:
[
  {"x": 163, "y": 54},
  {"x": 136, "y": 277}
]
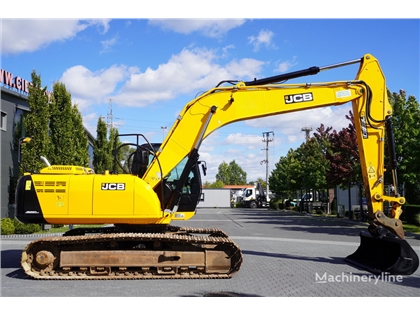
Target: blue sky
[{"x": 148, "y": 69}]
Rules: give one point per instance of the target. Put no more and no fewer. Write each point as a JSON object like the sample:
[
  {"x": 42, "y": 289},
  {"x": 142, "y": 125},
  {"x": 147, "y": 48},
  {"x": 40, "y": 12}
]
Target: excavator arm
[{"x": 261, "y": 98}]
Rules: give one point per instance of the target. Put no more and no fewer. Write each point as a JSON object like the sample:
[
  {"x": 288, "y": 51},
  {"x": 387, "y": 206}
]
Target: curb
[{"x": 29, "y": 235}]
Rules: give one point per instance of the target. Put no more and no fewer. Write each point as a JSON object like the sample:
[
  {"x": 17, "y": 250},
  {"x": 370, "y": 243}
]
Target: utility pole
[
  {"x": 307, "y": 131},
  {"x": 267, "y": 139}
]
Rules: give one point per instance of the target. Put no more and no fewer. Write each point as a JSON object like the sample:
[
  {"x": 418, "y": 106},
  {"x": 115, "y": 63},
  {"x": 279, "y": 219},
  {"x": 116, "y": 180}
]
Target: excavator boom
[{"x": 164, "y": 185}]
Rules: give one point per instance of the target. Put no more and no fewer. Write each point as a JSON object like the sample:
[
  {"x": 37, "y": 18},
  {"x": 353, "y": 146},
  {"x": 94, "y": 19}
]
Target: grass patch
[
  {"x": 412, "y": 228},
  {"x": 65, "y": 228}
]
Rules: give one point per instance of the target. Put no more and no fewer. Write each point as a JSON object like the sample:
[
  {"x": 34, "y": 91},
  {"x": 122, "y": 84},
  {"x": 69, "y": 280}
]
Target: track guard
[{"x": 384, "y": 255}]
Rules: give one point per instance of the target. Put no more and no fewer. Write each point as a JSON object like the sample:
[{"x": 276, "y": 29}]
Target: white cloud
[
  {"x": 107, "y": 44},
  {"x": 208, "y": 27},
  {"x": 28, "y": 35},
  {"x": 284, "y": 66},
  {"x": 264, "y": 38},
  {"x": 226, "y": 49},
  {"x": 288, "y": 123},
  {"x": 245, "y": 149},
  {"x": 188, "y": 71},
  {"x": 292, "y": 138},
  {"x": 89, "y": 87},
  {"x": 289, "y": 126},
  {"x": 90, "y": 122},
  {"x": 245, "y": 68},
  {"x": 250, "y": 140}
]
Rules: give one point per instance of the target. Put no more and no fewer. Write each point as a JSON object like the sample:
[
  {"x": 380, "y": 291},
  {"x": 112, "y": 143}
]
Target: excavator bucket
[{"x": 384, "y": 255}]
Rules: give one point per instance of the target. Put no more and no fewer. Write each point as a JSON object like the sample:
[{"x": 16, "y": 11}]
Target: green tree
[
  {"x": 36, "y": 126},
  {"x": 223, "y": 174},
  {"x": 406, "y": 123},
  {"x": 114, "y": 143},
  {"x": 61, "y": 126},
  {"x": 303, "y": 168},
  {"x": 206, "y": 184},
  {"x": 313, "y": 165},
  {"x": 80, "y": 139},
  {"x": 216, "y": 184},
  {"x": 261, "y": 182},
  {"x": 68, "y": 135},
  {"x": 285, "y": 177},
  {"x": 101, "y": 156},
  {"x": 231, "y": 174},
  {"x": 237, "y": 174},
  {"x": 55, "y": 128}
]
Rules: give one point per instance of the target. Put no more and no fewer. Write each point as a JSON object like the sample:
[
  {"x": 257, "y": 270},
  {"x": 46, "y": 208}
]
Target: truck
[
  {"x": 254, "y": 197},
  {"x": 163, "y": 185}
]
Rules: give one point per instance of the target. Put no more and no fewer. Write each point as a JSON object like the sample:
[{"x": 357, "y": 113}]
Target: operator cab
[
  {"x": 181, "y": 187},
  {"x": 190, "y": 187}
]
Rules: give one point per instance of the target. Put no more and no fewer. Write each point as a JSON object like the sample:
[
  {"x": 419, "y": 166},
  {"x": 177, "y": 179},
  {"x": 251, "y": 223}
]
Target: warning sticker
[
  {"x": 344, "y": 93},
  {"x": 371, "y": 172}
]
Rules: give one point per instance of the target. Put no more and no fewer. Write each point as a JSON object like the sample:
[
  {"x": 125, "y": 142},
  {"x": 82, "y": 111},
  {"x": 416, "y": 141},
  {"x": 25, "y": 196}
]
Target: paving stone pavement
[{"x": 286, "y": 254}]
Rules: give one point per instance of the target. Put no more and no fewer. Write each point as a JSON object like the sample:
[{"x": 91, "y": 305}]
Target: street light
[{"x": 163, "y": 132}]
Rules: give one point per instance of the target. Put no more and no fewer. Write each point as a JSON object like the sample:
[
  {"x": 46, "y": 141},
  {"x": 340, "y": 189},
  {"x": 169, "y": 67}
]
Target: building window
[
  {"x": 18, "y": 131},
  {"x": 3, "y": 121}
]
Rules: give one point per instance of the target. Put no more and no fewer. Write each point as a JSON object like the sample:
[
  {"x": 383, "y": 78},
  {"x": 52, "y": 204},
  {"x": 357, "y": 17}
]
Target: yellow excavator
[{"x": 163, "y": 184}]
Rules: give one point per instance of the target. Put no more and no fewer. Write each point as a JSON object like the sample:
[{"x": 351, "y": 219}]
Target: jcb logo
[
  {"x": 298, "y": 98},
  {"x": 113, "y": 186}
]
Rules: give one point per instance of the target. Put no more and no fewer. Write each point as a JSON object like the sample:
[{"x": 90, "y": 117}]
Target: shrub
[
  {"x": 7, "y": 226},
  {"x": 275, "y": 203},
  {"x": 21, "y": 228},
  {"x": 411, "y": 214},
  {"x": 417, "y": 219}
]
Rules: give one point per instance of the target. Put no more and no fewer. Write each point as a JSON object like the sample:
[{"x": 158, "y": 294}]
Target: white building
[{"x": 214, "y": 198}]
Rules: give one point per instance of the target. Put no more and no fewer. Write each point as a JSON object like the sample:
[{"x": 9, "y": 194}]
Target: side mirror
[{"x": 203, "y": 167}]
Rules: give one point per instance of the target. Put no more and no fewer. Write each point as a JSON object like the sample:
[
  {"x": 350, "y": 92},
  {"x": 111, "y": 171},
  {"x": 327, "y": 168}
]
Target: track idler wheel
[
  {"x": 44, "y": 259},
  {"x": 384, "y": 255}
]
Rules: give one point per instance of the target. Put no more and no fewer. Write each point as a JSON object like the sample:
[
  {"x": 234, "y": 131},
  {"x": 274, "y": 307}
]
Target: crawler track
[{"x": 178, "y": 253}]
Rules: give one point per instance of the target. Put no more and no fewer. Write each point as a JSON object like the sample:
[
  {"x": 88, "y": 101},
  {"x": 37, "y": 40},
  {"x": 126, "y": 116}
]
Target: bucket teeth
[{"x": 384, "y": 255}]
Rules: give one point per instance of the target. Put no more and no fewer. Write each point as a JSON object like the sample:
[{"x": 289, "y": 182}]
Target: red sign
[{"x": 17, "y": 83}]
